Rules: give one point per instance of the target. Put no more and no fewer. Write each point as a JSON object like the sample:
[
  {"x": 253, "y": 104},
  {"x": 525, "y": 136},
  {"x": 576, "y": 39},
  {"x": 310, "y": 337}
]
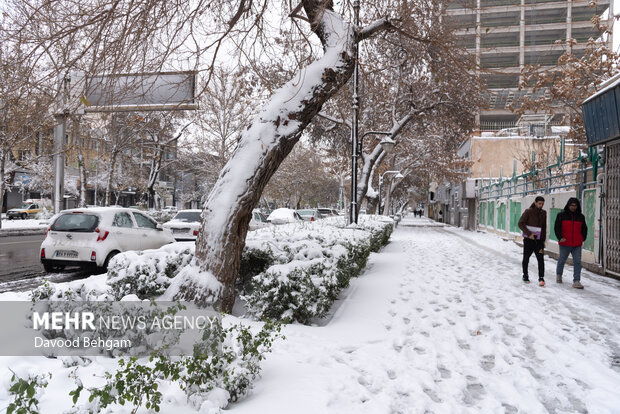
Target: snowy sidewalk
[{"x": 440, "y": 322}]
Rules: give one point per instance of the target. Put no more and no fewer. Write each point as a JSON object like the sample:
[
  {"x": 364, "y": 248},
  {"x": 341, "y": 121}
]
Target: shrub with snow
[
  {"x": 315, "y": 262},
  {"x": 290, "y": 272},
  {"x": 147, "y": 274},
  {"x": 223, "y": 366}
]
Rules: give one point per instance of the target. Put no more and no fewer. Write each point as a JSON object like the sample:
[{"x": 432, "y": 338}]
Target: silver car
[{"x": 184, "y": 225}]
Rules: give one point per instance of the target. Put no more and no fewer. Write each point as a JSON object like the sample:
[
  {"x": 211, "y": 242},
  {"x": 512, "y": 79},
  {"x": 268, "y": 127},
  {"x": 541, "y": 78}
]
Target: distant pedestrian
[
  {"x": 571, "y": 230},
  {"x": 440, "y": 216},
  {"x": 533, "y": 224}
]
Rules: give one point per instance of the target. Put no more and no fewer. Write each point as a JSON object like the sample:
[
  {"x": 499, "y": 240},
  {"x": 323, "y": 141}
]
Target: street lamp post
[
  {"x": 386, "y": 143},
  {"x": 398, "y": 175},
  {"x": 354, "y": 124}
]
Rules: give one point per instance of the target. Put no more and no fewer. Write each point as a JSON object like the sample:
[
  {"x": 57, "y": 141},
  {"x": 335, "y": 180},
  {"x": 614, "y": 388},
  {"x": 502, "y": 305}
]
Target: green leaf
[{"x": 31, "y": 390}]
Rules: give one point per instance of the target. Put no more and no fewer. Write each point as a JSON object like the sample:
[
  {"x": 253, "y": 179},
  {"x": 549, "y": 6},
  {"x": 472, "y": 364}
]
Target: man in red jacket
[
  {"x": 533, "y": 224},
  {"x": 571, "y": 230}
]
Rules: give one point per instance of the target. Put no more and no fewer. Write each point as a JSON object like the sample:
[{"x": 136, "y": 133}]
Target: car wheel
[
  {"x": 50, "y": 268},
  {"x": 24, "y": 216},
  {"x": 107, "y": 260}
]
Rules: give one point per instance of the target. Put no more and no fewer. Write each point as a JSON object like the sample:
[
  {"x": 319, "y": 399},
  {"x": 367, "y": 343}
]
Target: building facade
[{"x": 506, "y": 35}]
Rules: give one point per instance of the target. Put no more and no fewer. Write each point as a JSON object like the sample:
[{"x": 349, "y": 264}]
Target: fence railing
[{"x": 578, "y": 174}]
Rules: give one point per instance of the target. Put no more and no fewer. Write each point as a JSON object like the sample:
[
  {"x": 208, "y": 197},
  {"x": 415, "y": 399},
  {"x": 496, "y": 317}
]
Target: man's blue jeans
[{"x": 576, "y": 253}]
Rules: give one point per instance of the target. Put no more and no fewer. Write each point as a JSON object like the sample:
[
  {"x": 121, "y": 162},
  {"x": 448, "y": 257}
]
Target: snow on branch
[
  {"x": 337, "y": 121},
  {"x": 374, "y": 27}
]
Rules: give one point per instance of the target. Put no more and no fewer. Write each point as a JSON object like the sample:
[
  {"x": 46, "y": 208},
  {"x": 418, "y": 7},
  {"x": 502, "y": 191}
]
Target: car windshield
[
  {"x": 325, "y": 211},
  {"x": 306, "y": 212},
  {"x": 79, "y": 222},
  {"x": 25, "y": 206},
  {"x": 189, "y": 216}
]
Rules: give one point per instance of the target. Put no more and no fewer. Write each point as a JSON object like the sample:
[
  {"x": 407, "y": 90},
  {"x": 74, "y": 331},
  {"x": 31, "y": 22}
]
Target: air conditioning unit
[{"x": 470, "y": 188}]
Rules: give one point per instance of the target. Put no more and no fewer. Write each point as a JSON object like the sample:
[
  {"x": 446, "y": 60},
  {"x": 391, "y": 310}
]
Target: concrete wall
[{"x": 489, "y": 154}]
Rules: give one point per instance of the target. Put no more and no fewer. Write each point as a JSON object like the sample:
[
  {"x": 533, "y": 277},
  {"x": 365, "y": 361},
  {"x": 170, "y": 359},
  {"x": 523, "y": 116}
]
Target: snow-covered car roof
[
  {"x": 101, "y": 210},
  {"x": 186, "y": 213},
  {"x": 282, "y": 213}
]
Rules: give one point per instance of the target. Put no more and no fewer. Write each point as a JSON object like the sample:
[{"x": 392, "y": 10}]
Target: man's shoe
[
  {"x": 577, "y": 285},
  {"x": 541, "y": 282},
  {"x": 558, "y": 279},
  {"x": 526, "y": 279}
]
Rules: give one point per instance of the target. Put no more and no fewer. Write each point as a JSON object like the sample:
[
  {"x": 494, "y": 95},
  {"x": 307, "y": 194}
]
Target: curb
[{"x": 22, "y": 232}]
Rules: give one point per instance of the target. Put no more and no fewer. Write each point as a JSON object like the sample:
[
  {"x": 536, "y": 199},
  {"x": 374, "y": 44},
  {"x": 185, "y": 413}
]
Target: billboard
[{"x": 137, "y": 92}]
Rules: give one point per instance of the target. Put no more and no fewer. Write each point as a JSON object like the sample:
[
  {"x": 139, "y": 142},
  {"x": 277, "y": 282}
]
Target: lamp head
[
  {"x": 399, "y": 175},
  {"x": 387, "y": 144}
]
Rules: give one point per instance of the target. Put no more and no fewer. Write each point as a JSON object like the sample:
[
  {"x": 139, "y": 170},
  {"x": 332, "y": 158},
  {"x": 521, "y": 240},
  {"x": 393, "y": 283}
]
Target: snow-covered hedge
[
  {"x": 313, "y": 263},
  {"x": 147, "y": 274},
  {"x": 290, "y": 272}
]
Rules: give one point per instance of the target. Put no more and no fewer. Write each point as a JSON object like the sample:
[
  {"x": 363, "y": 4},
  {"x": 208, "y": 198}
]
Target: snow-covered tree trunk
[
  {"x": 402, "y": 208},
  {"x": 108, "y": 187},
  {"x": 83, "y": 178},
  {"x": 263, "y": 146},
  {"x": 388, "y": 198},
  {"x": 370, "y": 161}
]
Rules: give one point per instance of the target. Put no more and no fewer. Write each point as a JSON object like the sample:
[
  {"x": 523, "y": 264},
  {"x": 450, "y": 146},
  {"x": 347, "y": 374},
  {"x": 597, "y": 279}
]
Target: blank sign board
[{"x": 141, "y": 92}]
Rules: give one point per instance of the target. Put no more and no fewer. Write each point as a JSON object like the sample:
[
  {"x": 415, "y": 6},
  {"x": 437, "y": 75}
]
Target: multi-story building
[{"x": 506, "y": 35}]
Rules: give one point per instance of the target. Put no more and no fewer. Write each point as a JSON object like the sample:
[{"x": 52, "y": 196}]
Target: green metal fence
[{"x": 579, "y": 174}]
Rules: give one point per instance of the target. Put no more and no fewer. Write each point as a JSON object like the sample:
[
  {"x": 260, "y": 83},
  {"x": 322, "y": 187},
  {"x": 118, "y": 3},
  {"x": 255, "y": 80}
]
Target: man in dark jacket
[
  {"x": 533, "y": 224},
  {"x": 571, "y": 230}
]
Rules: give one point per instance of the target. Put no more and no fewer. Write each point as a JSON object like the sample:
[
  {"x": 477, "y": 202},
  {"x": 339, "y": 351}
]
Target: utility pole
[{"x": 60, "y": 129}]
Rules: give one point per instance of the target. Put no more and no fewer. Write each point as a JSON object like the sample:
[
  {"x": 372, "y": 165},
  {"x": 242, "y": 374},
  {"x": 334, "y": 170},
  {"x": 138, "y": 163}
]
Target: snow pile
[{"x": 24, "y": 224}]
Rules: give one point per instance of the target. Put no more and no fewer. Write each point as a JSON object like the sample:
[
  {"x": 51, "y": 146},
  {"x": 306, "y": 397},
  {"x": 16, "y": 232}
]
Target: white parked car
[
  {"x": 310, "y": 214},
  {"x": 283, "y": 216},
  {"x": 184, "y": 225},
  {"x": 258, "y": 220},
  {"x": 90, "y": 237}
]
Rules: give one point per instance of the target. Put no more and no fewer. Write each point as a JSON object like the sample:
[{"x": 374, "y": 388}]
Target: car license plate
[
  {"x": 67, "y": 253},
  {"x": 178, "y": 231}
]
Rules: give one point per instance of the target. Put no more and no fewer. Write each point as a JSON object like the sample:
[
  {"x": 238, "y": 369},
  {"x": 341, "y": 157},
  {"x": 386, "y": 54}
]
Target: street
[
  {"x": 20, "y": 267},
  {"x": 19, "y": 256}
]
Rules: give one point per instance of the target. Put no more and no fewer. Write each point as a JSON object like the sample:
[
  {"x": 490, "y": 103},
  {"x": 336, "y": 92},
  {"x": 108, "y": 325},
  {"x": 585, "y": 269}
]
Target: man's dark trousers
[{"x": 533, "y": 246}]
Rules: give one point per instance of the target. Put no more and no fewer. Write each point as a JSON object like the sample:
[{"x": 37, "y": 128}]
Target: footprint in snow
[
  {"x": 487, "y": 362},
  {"x": 474, "y": 388},
  {"x": 510, "y": 409},
  {"x": 463, "y": 345},
  {"x": 432, "y": 394},
  {"x": 444, "y": 372}
]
